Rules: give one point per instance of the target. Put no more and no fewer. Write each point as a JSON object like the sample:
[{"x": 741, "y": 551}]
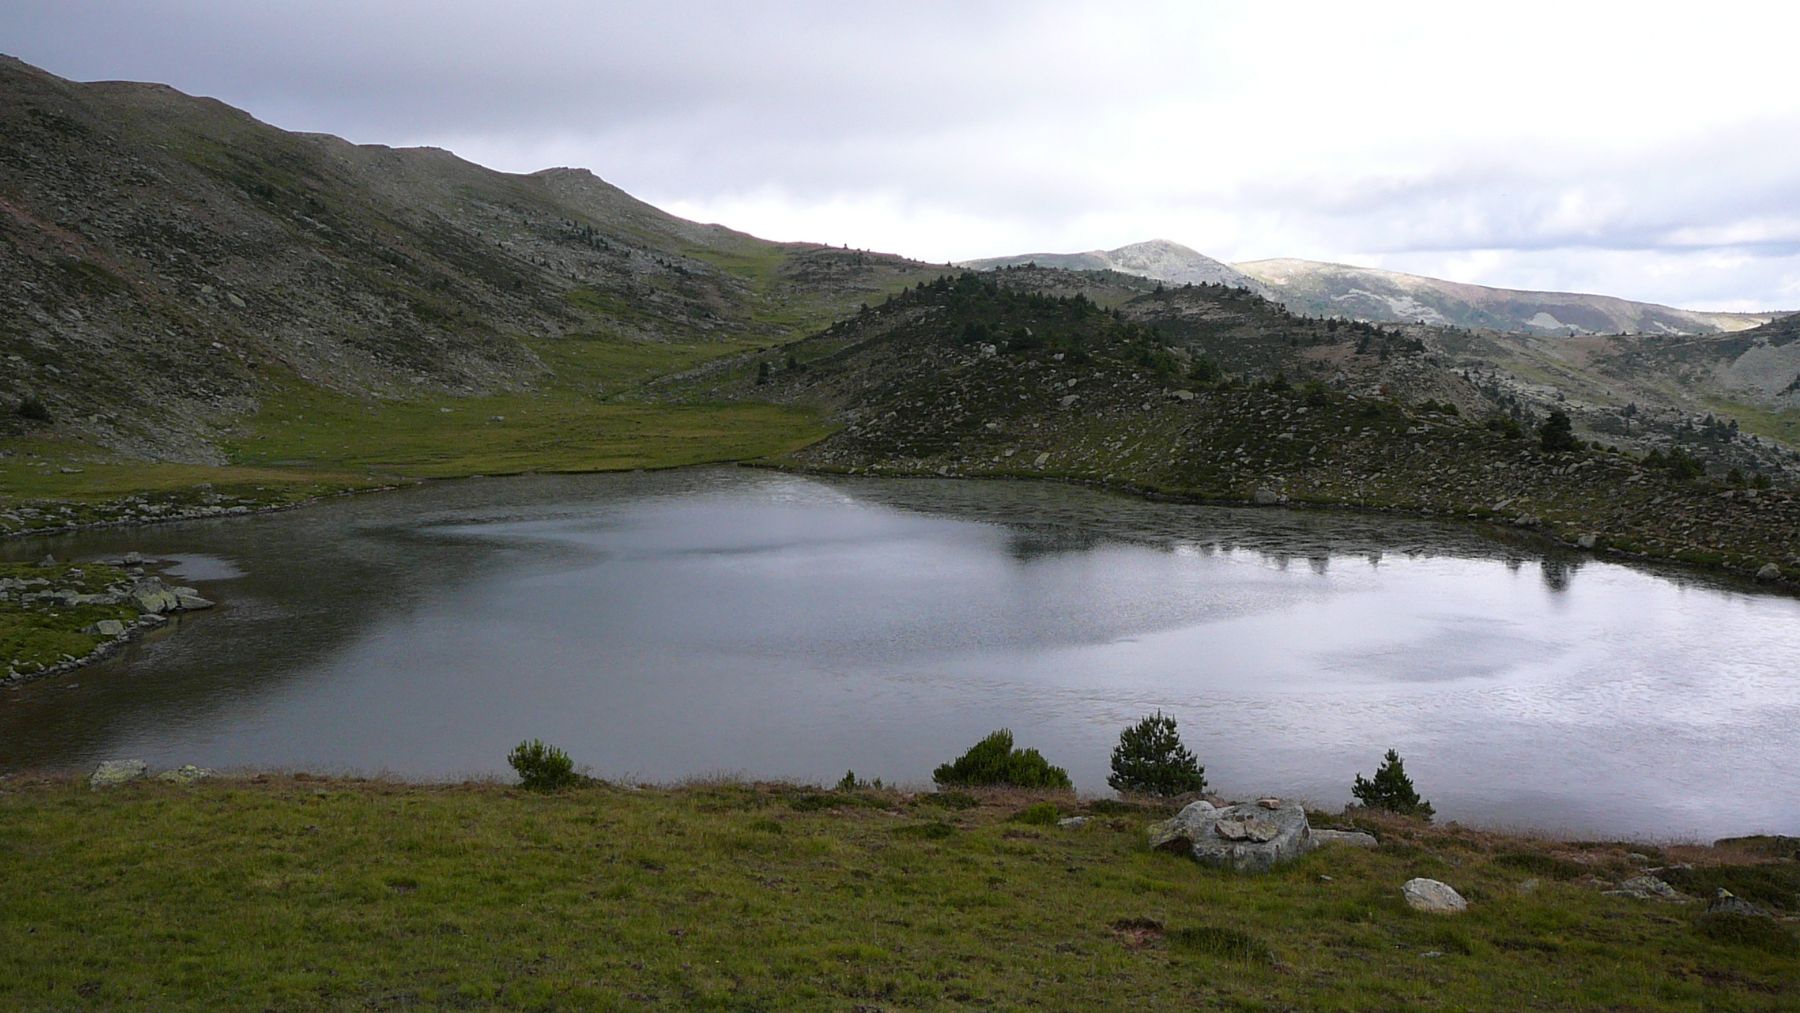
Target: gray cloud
[{"x": 1419, "y": 136}]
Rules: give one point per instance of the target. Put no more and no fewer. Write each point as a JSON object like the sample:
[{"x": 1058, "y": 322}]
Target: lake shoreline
[{"x": 1782, "y": 584}]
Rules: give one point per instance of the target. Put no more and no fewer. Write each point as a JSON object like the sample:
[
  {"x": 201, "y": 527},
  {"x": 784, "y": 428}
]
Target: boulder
[
  {"x": 1432, "y": 896},
  {"x": 1352, "y": 838},
  {"x": 1248, "y": 838},
  {"x": 1073, "y": 822},
  {"x": 1726, "y": 902},
  {"x": 187, "y": 773},
  {"x": 1265, "y": 497},
  {"x": 109, "y": 627},
  {"x": 1588, "y": 540},
  {"x": 1769, "y": 571},
  {"x": 112, "y": 773},
  {"x": 192, "y": 603}
]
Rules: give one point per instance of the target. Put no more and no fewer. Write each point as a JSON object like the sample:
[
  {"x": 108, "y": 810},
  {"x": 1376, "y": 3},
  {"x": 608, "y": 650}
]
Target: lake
[{"x": 751, "y": 623}]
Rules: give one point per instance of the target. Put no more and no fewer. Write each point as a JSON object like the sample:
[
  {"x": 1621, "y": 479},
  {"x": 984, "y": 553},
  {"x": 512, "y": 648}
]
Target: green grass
[
  {"x": 300, "y": 893},
  {"x": 38, "y": 636},
  {"x": 307, "y": 441},
  {"x": 1781, "y": 426},
  {"x": 307, "y": 428}
]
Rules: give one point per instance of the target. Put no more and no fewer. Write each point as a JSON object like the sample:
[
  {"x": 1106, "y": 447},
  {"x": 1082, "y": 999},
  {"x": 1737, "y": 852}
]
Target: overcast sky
[{"x": 1636, "y": 149}]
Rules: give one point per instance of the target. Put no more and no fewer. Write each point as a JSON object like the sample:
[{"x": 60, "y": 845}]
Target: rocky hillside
[
  {"x": 166, "y": 261},
  {"x": 967, "y": 376},
  {"x": 1158, "y": 259},
  {"x": 1363, "y": 293}
]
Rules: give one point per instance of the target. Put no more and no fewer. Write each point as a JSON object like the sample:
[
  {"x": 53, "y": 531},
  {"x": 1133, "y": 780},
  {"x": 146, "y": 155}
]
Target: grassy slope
[{"x": 302, "y": 893}]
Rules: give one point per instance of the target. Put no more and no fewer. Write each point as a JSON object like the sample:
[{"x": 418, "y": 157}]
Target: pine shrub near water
[
  {"x": 1150, "y": 760},
  {"x": 994, "y": 761},
  {"x": 541, "y": 767},
  {"x": 1391, "y": 789}
]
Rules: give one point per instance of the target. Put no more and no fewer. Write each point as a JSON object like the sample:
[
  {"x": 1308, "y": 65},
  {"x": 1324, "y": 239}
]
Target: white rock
[{"x": 1432, "y": 896}]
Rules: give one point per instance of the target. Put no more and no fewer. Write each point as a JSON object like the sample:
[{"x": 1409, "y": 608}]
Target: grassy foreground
[{"x": 298, "y": 892}]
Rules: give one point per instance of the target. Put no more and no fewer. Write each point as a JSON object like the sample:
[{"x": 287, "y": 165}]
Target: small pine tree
[
  {"x": 1150, "y": 760},
  {"x": 541, "y": 767},
  {"x": 1558, "y": 433},
  {"x": 1391, "y": 789}
]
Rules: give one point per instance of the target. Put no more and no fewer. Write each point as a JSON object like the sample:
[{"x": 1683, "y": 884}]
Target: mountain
[
  {"x": 1158, "y": 259},
  {"x": 1364, "y": 293},
  {"x": 168, "y": 263},
  {"x": 986, "y": 375}
]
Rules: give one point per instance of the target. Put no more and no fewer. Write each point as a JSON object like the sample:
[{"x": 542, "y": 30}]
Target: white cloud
[{"x": 1653, "y": 148}]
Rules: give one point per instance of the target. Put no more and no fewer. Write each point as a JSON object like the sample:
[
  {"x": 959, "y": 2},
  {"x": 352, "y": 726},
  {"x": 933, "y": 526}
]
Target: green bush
[
  {"x": 1391, "y": 789},
  {"x": 1041, "y": 814},
  {"x": 541, "y": 767},
  {"x": 1150, "y": 760},
  {"x": 994, "y": 761},
  {"x": 33, "y": 409}
]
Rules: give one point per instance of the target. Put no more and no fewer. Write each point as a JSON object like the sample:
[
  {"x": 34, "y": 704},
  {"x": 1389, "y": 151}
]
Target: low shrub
[
  {"x": 1043, "y": 814},
  {"x": 994, "y": 761},
  {"x": 33, "y": 409},
  {"x": 541, "y": 767}
]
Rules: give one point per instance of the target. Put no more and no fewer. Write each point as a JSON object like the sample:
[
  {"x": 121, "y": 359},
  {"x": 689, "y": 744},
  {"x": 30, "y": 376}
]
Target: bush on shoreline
[{"x": 994, "y": 761}]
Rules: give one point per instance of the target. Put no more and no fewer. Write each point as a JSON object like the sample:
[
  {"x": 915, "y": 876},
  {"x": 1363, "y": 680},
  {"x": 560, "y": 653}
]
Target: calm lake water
[{"x": 712, "y": 621}]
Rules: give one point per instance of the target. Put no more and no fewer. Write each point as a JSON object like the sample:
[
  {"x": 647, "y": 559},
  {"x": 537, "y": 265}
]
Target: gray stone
[
  {"x": 1042, "y": 459},
  {"x": 112, "y": 773},
  {"x": 192, "y": 603},
  {"x": 1353, "y": 838},
  {"x": 156, "y": 602},
  {"x": 47, "y": 561},
  {"x": 1646, "y": 888},
  {"x": 1073, "y": 822},
  {"x": 1432, "y": 896},
  {"x": 187, "y": 773},
  {"x": 1247, "y": 838},
  {"x": 109, "y": 627},
  {"x": 1588, "y": 540},
  {"x": 1728, "y": 903},
  {"x": 1769, "y": 571},
  {"x": 1265, "y": 497}
]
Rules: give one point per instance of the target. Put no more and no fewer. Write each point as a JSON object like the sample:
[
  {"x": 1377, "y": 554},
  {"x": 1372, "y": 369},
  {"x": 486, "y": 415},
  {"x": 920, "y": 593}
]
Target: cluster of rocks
[
  {"x": 153, "y": 599},
  {"x": 112, "y": 773},
  {"x": 47, "y": 517},
  {"x": 1257, "y": 836}
]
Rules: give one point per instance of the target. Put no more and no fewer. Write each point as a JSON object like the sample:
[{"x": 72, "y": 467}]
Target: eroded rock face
[
  {"x": 1432, "y": 896},
  {"x": 1252, "y": 837}
]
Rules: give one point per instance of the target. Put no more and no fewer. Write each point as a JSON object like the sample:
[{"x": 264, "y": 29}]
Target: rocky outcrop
[{"x": 1250, "y": 837}]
